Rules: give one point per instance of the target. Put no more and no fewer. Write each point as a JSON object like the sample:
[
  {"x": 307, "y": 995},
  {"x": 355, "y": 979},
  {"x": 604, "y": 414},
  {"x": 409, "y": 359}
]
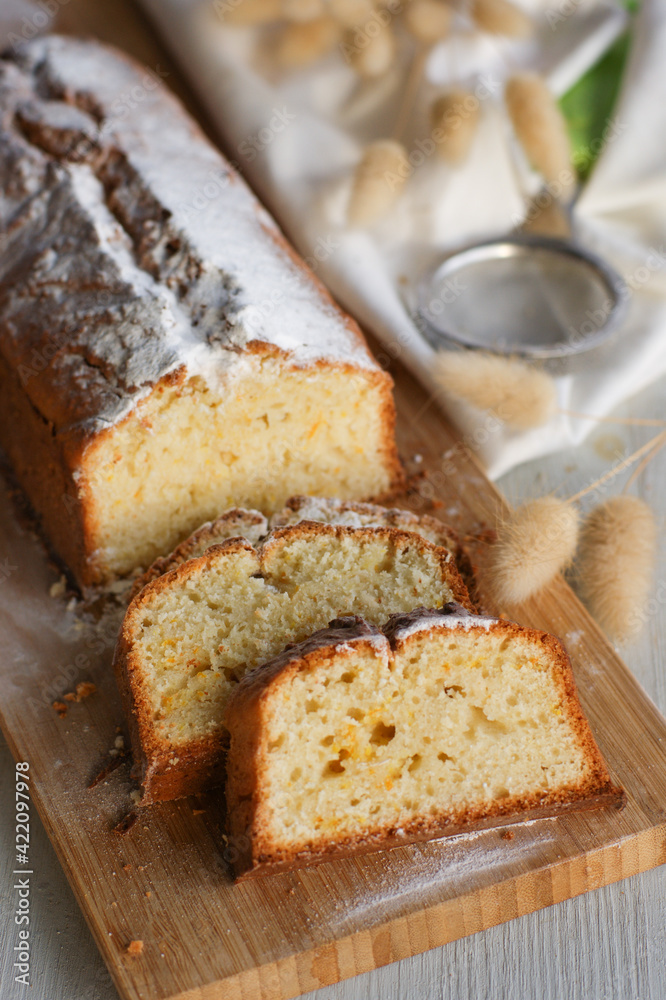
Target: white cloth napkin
[{"x": 298, "y": 137}]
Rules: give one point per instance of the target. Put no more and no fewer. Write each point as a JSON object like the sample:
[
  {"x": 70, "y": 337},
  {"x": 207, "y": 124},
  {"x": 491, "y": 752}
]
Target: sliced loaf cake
[
  {"x": 192, "y": 633},
  {"x": 361, "y": 739}
]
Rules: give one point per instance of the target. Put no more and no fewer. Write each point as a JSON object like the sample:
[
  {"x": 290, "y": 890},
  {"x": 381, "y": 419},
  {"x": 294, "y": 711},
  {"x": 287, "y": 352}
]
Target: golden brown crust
[
  {"x": 237, "y": 522},
  {"x": 521, "y": 812},
  {"x": 152, "y": 754},
  {"x": 166, "y": 770},
  {"x": 250, "y": 706}
]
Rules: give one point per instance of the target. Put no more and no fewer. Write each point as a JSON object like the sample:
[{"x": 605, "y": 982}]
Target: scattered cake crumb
[
  {"x": 119, "y": 743},
  {"x": 83, "y": 690},
  {"x": 108, "y": 768},
  {"x": 507, "y": 835},
  {"x": 148, "y": 894},
  {"x": 125, "y": 824},
  {"x": 127, "y": 868},
  {"x": 58, "y": 589},
  {"x": 198, "y": 812},
  {"x": 135, "y": 796},
  {"x": 135, "y": 947},
  {"x": 61, "y": 708}
]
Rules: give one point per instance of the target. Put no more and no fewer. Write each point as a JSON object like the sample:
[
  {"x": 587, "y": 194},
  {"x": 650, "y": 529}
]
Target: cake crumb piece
[
  {"x": 58, "y": 589},
  {"x": 148, "y": 894},
  {"x": 135, "y": 948},
  {"x": 507, "y": 835},
  {"x": 198, "y": 812},
  {"x": 127, "y": 868},
  {"x": 84, "y": 689},
  {"x": 125, "y": 824},
  {"x": 61, "y": 708}
]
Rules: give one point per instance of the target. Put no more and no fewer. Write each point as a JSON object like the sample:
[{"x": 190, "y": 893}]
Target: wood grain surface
[{"x": 166, "y": 882}]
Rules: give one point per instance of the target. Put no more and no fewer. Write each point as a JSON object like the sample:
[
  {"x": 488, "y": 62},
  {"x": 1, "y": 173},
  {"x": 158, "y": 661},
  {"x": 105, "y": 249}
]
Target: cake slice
[
  {"x": 361, "y": 739},
  {"x": 234, "y": 523},
  {"x": 329, "y": 510},
  {"x": 191, "y": 634},
  {"x": 253, "y": 526}
]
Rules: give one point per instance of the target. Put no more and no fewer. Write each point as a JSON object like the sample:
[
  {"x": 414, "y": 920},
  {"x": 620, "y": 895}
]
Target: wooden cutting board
[{"x": 165, "y": 882}]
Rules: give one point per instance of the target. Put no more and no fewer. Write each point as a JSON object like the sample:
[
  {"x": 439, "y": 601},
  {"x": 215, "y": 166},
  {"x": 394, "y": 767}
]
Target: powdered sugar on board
[{"x": 425, "y": 873}]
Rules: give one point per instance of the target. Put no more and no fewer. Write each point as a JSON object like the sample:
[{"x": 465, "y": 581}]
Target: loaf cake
[
  {"x": 253, "y": 526},
  {"x": 191, "y": 634},
  {"x": 361, "y": 739},
  {"x": 164, "y": 354}
]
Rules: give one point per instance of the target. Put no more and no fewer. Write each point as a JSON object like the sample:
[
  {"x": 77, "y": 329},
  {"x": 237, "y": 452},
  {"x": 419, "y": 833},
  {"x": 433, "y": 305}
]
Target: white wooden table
[{"x": 606, "y": 945}]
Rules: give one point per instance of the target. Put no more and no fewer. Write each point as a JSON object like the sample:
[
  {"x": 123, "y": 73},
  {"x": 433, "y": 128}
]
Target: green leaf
[{"x": 588, "y": 106}]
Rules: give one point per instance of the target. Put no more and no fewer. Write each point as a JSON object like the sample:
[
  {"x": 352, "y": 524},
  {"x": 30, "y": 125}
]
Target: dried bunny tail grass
[
  {"x": 351, "y": 13},
  {"x": 540, "y": 128},
  {"x": 303, "y": 10},
  {"x": 500, "y": 17},
  {"x": 250, "y": 12},
  {"x": 534, "y": 544},
  {"x": 546, "y": 216},
  {"x": 428, "y": 20},
  {"x": 379, "y": 179},
  {"x": 300, "y": 45},
  {"x": 522, "y": 397},
  {"x": 454, "y": 119},
  {"x": 370, "y": 55},
  {"x": 615, "y": 564}
]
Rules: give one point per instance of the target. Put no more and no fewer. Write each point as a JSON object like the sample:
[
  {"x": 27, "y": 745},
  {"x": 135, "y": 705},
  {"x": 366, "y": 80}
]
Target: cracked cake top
[{"x": 133, "y": 251}]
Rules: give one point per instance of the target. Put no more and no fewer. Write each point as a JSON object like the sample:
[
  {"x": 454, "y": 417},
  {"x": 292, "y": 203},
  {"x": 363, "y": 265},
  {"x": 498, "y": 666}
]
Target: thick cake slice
[
  {"x": 361, "y": 739},
  {"x": 253, "y": 526},
  {"x": 191, "y": 634},
  {"x": 329, "y": 510},
  {"x": 234, "y": 523}
]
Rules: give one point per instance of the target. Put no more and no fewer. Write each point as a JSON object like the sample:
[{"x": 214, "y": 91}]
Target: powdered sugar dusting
[
  {"x": 422, "y": 874},
  {"x": 219, "y": 215},
  {"x": 465, "y": 622},
  {"x": 140, "y": 248}
]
